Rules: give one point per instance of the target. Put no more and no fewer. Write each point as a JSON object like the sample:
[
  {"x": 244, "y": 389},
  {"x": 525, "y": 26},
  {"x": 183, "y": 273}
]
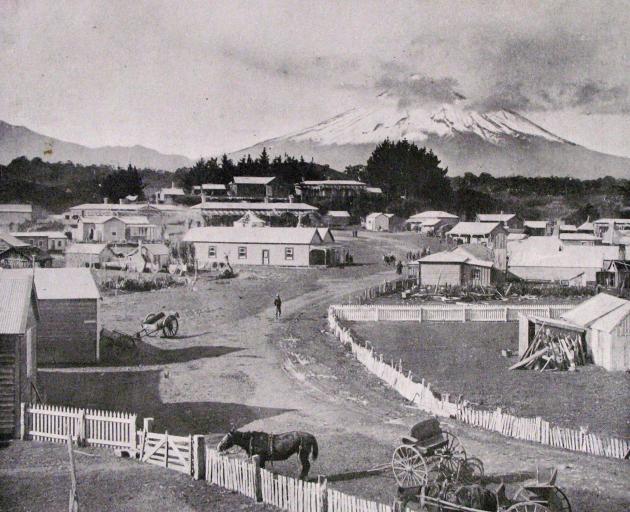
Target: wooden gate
[{"x": 174, "y": 452}]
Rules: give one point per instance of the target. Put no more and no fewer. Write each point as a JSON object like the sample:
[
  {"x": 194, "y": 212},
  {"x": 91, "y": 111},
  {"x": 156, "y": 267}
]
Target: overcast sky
[{"x": 199, "y": 78}]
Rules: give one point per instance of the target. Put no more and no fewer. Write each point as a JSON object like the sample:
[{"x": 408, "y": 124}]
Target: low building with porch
[
  {"x": 336, "y": 218},
  {"x": 51, "y": 241},
  {"x": 600, "y": 226},
  {"x": 19, "y": 317},
  {"x": 507, "y": 220},
  {"x": 168, "y": 195},
  {"x": 292, "y": 247},
  {"x": 537, "y": 227},
  {"x": 432, "y": 222},
  {"x": 467, "y": 265},
  {"x": 15, "y": 253},
  {"x": 259, "y": 187},
  {"x": 326, "y": 189},
  {"x": 240, "y": 208}
]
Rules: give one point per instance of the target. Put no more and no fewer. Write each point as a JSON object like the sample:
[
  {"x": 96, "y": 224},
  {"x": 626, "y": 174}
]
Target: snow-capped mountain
[{"x": 500, "y": 142}]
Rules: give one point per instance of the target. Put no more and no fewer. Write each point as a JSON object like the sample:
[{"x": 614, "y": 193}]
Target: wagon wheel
[
  {"x": 409, "y": 466},
  {"x": 467, "y": 471},
  {"x": 554, "y": 498},
  {"x": 558, "y": 501},
  {"x": 528, "y": 506},
  {"x": 170, "y": 327},
  {"x": 454, "y": 447}
]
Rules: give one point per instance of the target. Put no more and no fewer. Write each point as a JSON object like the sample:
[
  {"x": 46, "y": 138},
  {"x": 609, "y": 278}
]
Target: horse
[{"x": 272, "y": 447}]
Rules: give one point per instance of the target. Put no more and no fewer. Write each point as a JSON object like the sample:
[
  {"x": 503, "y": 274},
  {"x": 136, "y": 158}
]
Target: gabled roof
[
  {"x": 86, "y": 248},
  {"x": 568, "y": 227},
  {"x": 587, "y": 226},
  {"x": 325, "y": 233},
  {"x": 244, "y": 235},
  {"x": 579, "y": 237},
  {"x": 609, "y": 220},
  {"x": 495, "y": 217},
  {"x": 549, "y": 251},
  {"x": 65, "y": 283},
  {"x": 337, "y": 213},
  {"x": 98, "y": 219},
  {"x": 253, "y": 180},
  {"x": 473, "y": 228},
  {"x": 373, "y": 215},
  {"x": 47, "y": 234},
  {"x": 172, "y": 191},
  {"x": 333, "y": 183},
  {"x": 433, "y": 214},
  {"x": 16, "y": 208},
  {"x": 374, "y": 190},
  {"x": 463, "y": 254},
  {"x": 15, "y": 299},
  {"x": 243, "y": 205},
  {"x": 595, "y": 309},
  {"x": 12, "y": 241},
  {"x": 209, "y": 186},
  {"x": 113, "y": 206},
  {"x": 535, "y": 224},
  {"x": 135, "y": 220},
  {"x": 615, "y": 237},
  {"x": 516, "y": 236}
]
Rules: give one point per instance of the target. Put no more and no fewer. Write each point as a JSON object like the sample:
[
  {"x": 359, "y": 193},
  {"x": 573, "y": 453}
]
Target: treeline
[{"x": 288, "y": 170}]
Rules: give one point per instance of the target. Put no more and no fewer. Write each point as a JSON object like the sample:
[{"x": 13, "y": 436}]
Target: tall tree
[
  {"x": 402, "y": 169},
  {"x": 122, "y": 183}
]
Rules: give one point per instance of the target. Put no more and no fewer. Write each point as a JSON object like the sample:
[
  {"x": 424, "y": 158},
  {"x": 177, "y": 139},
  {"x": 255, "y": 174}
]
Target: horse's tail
[{"x": 315, "y": 451}]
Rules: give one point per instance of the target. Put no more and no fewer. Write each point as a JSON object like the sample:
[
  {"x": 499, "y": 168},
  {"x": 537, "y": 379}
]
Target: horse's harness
[{"x": 251, "y": 445}]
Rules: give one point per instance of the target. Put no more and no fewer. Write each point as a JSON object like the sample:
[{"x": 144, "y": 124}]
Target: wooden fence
[
  {"x": 385, "y": 288},
  {"x": 173, "y": 452},
  {"x": 340, "y": 502},
  {"x": 528, "y": 429},
  {"x": 447, "y": 312},
  {"x": 231, "y": 473},
  {"x": 93, "y": 427},
  {"x": 290, "y": 494}
]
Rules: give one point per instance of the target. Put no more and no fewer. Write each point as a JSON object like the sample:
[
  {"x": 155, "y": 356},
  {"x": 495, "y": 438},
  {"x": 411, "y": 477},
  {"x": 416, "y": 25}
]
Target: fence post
[
  {"x": 199, "y": 457},
  {"x": 166, "y": 449},
  {"x": 81, "y": 440},
  {"x": 323, "y": 493},
  {"x": 257, "y": 478},
  {"x": 147, "y": 424},
  {"x": 23, "y": 429},
  {"x": 505, "y": 314},
  {"x": 133, "y": 434},
  {"x": 463, "y": 313}
]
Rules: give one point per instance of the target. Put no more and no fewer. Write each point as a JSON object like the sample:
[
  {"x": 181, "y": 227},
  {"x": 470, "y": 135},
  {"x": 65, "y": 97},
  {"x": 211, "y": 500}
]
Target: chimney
[{"x": 105, "y": 200}]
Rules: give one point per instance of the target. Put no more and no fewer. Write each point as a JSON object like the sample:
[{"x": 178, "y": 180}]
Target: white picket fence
[
  {"x": 447, "y": 312},
  {"x": 340, "y": 502},
  {"x": 528, "y": 429},
  {"x": 94, "y": 427},
  {"x": 231, "y": 473},
  {"x": 290, "y": 494}
]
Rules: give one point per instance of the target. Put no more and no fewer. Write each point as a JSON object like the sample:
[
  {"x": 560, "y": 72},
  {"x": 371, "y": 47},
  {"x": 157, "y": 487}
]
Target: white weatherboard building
[{"x": 293, "y": 247}]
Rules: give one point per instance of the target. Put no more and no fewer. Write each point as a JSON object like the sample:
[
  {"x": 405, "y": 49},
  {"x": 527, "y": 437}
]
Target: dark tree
[
  {"x": 122, "y": 183},
  {"x": 402, "y": 169}
]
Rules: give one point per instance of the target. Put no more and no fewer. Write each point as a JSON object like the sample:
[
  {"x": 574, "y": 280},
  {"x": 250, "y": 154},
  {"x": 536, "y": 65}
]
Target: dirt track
[{"x": 235, "y": 365}]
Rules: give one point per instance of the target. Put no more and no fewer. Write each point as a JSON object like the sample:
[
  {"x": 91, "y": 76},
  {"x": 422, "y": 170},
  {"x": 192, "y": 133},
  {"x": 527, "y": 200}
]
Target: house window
[
  {"x": 242, "y": 253},
  {"x": 476, "y": 273},
  {"x": 288, "y": 253},
  {"x": 212, "y": 251},
  {"x": 113, "y": 233}
]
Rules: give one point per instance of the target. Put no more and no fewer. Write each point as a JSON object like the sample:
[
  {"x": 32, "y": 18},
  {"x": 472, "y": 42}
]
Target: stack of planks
[{"x": 553, "y": 351}]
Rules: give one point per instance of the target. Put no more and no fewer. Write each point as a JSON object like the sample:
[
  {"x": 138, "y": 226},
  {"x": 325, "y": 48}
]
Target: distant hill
[
  {"x": 16, "y": 141},
  {"x": 501, "y": 143}
]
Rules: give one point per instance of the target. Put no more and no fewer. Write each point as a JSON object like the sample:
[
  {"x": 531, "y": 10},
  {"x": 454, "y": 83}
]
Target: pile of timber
[{"x": 553, "y": 351}]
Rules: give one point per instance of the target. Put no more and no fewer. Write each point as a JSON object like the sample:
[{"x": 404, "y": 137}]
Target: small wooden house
[
  {"x": 18, "y": 348},
  {"x": 68, "y": 301},
  {"x": 378, "y": 221},
  {"x": 507, "y": 220},
  {"x": 147, "y": 257},
  {"x": 88, "y": 255},
  {"x": 51, "y": 241},
  {"x": 336, "y": 218},
  {"x": 293, "y": 247}
]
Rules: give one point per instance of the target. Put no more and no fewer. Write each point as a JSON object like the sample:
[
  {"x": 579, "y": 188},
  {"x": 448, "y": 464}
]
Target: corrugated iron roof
[
  {"x": 246, "y": 206},
  {"x": 135, "y": 220},
  {"x": 535, "y": 224},
  {"x": 16, "y": 208},
  {"x": 86, "y": 248},
  {"x": 15, "y": 299},
  {"x": 337, "y": 213},
  {"x": 267, "y": 235},
  {"x": 473, "y": 228},
  {"x": 594, "y": 309},
  {"x": 469, "y": 255},
  {"x": 608, "y": 322},
  {"x": 495, "y": 217},
  {"x": 253, "y": 180},
  {"x": 549, "y": 251},
  {"x": 47, "y": 234},
  {"x": 65, "y": 283},
  {"x": 433, "y": 214},
  {"x": 12, "y": 241},
  {"x": 334, "y": 183}
]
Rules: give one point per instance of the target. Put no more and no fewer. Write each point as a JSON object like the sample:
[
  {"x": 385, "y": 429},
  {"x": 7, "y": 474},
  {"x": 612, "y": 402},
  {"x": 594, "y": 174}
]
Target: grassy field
[{"x": 465, "y": 359}]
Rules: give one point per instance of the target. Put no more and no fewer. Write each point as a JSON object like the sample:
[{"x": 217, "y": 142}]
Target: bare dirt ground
[
  {"x": 233, "y": 364},
  {"x": 465, "y": 359}
]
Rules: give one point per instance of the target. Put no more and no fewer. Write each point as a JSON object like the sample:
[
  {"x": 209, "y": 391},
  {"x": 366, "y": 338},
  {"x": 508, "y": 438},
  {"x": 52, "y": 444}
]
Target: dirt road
[{"x": 235, "y": 365}]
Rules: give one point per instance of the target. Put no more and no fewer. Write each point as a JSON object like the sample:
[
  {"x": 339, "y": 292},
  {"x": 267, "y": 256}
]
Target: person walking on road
[{"x": 278, "y": 303}]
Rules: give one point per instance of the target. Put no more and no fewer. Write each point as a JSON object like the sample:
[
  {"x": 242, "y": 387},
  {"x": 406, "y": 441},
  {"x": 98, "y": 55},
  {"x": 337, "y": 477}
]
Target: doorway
[{"x": 265, "y": 256}]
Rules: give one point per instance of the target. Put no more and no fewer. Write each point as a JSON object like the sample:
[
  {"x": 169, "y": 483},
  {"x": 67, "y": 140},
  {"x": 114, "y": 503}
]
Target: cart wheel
[
  {"x": 454, "y": 447},
  {"x": 528, "y": 506},
  {"x": 170, "y": 328},
  {"x": 409, "y": 466},
  {"x": 558, "y": 501},
  {"x": 467, "y": 471}
]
